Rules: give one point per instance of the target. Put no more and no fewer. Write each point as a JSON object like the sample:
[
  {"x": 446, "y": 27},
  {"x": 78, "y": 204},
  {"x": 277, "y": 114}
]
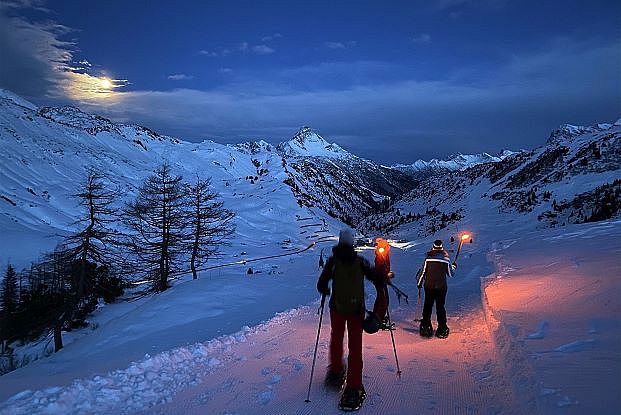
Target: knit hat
[
  {"x": 437, "y": 244},
  {"x": 346, "y": 237}
]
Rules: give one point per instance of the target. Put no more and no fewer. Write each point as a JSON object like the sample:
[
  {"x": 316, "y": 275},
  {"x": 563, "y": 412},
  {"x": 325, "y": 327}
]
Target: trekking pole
[
  {"x": 400, "y": 293},
  {"x": 394, "y": 347},
  {"x": 323, "y": 302},
  {"x": 418, "y": 304}
]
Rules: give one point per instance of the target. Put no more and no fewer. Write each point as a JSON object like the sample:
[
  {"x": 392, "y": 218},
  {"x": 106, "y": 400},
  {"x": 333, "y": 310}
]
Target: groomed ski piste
[{"x": 534, "y": 318}]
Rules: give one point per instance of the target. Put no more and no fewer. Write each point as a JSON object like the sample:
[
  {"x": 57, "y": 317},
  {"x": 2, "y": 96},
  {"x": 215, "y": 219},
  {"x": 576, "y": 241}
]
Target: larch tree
[
  {"x": 157, "y": 219},
  {"x": 210, "y": 223},
  {"x": 95, "y": 239}
]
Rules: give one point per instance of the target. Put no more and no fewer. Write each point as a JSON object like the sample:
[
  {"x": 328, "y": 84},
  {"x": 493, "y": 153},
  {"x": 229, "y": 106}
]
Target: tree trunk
[
  {"x": 195, "y": 252},
  {"x": 58, "y": 338}
]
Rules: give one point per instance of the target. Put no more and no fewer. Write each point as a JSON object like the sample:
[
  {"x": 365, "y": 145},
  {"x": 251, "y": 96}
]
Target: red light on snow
[{"x": 381, "y": 250}]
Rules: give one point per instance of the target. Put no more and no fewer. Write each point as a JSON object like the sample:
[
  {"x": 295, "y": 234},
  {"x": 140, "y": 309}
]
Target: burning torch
[
  {"x": 380, "y": 308},
  {"x": 382, "y": 258},
  {"x": 463, "y": 238},
  {"x": 382, "y": 266}
]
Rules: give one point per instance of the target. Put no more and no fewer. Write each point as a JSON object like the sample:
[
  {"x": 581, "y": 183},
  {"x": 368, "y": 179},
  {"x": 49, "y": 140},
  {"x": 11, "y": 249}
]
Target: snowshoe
[
  {"x": 426, "y": 329},
  {"x": 442, "y": 332},
  {"x": 352, "y": 399},
  {"x": 335, "y": 380}
]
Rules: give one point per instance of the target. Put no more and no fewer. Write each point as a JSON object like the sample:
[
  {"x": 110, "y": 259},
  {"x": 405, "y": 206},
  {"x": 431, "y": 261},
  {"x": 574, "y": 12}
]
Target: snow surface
[
  {"x": 534, "y": 312},
  {"x": 487, "y": 365},
  {"x": 561, "y": 315}
]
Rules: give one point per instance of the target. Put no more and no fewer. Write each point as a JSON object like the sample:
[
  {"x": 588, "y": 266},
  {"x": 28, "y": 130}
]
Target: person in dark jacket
[
  {"x": 436, "y": 268},
  {"x": 347, "y": 271}
]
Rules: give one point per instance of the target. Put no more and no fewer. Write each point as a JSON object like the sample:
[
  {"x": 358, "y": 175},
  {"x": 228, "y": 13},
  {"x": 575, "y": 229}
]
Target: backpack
[{"x": 348, "y": 287}]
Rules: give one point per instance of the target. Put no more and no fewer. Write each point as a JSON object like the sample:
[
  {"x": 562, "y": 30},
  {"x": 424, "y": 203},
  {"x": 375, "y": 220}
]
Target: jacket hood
[{"x": 344, "y": 252}]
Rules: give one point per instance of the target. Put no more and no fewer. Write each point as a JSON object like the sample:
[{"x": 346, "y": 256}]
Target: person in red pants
[{"x": 347, "y": 270}]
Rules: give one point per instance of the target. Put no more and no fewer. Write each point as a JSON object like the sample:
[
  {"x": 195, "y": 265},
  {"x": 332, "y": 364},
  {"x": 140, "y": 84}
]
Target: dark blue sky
[{"x": 391, "y": 81}]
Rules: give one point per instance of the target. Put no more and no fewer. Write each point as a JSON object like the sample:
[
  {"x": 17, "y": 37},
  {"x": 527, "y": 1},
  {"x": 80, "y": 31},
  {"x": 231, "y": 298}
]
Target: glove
[
  {"x": 390, "y": 275},
  {"x": 454, "y": 266}
]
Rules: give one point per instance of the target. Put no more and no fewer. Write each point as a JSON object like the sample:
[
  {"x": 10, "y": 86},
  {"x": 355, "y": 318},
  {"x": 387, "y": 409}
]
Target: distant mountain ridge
[
  {"x": 458, "y": 162},
  {"x": 574, "y": 178}
]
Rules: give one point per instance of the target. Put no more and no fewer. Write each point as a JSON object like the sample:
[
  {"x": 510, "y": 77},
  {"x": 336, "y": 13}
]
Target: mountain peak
[
  {"x": 306, "y": 133},
  {"x": 306, "y": 142},
  {"x": 567, "y": 132}
]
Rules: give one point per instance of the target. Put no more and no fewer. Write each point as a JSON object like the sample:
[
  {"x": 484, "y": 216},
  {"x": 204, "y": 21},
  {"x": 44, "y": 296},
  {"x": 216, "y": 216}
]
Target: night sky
[{"x": 391, "y": 81}]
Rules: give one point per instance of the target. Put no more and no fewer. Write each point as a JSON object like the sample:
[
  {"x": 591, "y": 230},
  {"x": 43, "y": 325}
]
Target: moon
[{"x": 106, "y": 84}]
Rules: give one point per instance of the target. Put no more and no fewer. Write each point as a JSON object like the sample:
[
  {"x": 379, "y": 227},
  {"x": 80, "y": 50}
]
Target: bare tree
[
  {"x": 95, "y": 239},
  {"x": 210, "y": 223},
  {"x": 157, "y": 219}
]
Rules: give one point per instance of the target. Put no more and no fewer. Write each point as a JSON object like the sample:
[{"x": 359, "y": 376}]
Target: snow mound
[{"x": 152, "y": 381}]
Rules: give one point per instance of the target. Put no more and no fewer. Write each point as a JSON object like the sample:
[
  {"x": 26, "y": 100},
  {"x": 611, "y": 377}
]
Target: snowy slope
[
  {"x": 213, "y": 345},
  {"x": 562, "y": 182},
  {"x": 45, "y": 153}
]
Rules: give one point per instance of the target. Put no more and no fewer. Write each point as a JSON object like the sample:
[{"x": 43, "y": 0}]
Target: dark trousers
[
  {"x": 438, "y": 297},
  {"x": 354, "y": 340}
]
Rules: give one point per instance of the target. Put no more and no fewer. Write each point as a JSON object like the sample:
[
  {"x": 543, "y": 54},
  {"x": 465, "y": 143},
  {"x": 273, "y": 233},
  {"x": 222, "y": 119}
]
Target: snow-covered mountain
[
  {"x": 575, "y": 177},
  {"x": 458, "y": 162},
  {"x": 307, "y": 142},
  {"x": 46, "y": 151}
]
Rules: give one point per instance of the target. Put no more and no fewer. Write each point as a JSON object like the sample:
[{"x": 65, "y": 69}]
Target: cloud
[
  {"x": 209, "y": 53},
  {"x": 515, "y": 108},
  {"x": 38, "y": 63},
  {"x": 26, "y": 4},
  {"x": 334, "y": 45},
  {"x": 242, "y": 47},
  {"x": 180, "y": 77},
  {"x": 263, "y": 50},
  {"x": 512, "y": 105},
  {"x": 271, "y": 37},
  {"x": 340, "y": 45},
  {"x": 422, "y": 38}
]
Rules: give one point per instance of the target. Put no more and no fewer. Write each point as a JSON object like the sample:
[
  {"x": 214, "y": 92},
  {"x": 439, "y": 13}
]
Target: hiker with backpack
[
  {"x": 433, "y": 276},
  {"x": 347, "y": 270}
]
